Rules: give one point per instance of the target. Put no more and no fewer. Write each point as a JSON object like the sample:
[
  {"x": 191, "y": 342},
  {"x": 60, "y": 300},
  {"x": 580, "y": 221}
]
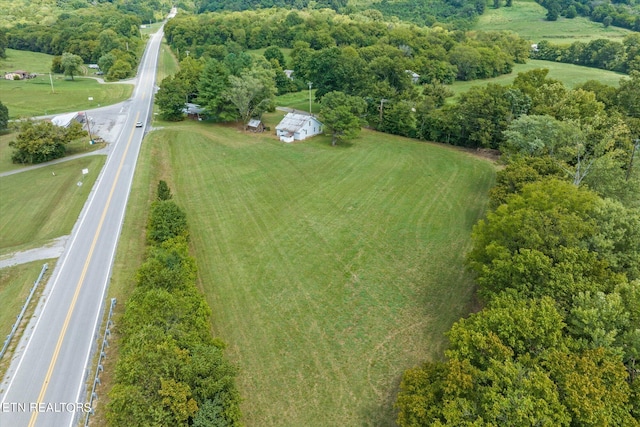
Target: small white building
[
  {"x": 298, "y": 126},
  {"x": 64, "y": 120},
  {"x": 415, "y": 77}
]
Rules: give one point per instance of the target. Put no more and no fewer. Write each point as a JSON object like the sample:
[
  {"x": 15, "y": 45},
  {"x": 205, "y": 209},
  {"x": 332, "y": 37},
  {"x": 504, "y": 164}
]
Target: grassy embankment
[
  {"x": 15, "y": 285},
  {"x": 329, "y": 270},
  {"x": 527, "y": 18},
  {"x": 33, "y": 97}
]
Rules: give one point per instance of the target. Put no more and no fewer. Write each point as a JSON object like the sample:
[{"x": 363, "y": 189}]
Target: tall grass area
[
  {"x": 527, "y": 18},
  {"x": 34, "y": 97},
  {"x": 329, "y": 271},
  {"x": 43, "y": 204},
  {"x": 570, "y": 75}
]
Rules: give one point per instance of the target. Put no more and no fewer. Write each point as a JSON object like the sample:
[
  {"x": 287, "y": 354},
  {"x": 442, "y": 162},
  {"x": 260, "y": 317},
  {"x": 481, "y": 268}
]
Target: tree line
[
  {"x": 170, "y": 371},
  {"x": 558, "y": 340},
  {"x": 606, "y": 54},
  {"x": 621, "y": 13}
]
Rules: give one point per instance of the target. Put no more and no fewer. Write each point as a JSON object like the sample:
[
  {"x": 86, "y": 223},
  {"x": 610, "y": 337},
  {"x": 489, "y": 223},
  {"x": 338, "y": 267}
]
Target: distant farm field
[
  {"x": 570, "y": 75},
  {"x": 34, "y": 97},
  {"x": 329, "y": 270},
  {"x": 527, "y": 18}
]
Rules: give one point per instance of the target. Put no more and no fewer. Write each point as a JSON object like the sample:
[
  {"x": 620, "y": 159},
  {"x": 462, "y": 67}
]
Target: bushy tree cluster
[
  {"x": 4, "y": 116},
  {"x": 606, "y": 54},
  {"x": 39, "y": 142},
  {"x": 557, "y": 260},
  {"x": 170, "y": 371},
  {"x": 559, "y": 338}
]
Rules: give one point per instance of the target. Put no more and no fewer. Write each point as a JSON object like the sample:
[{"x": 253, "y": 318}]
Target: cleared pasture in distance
[
  {"x": 329, "y": 270},
  {"x": 527, "y": 18},
  {"x": 570, "y": 75}
]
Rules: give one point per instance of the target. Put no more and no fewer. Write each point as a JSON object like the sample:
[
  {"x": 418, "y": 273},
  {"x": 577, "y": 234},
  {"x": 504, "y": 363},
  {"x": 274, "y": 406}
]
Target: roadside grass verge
[
  {"x": 329, "y": 271},
  {"x": 15, "y": 285},
  {"x": 570, "y": 75},
  {"x": 38, "y": 206},
  {"x": 167, "y": 63},
  {"x": 527, "y": 18}
]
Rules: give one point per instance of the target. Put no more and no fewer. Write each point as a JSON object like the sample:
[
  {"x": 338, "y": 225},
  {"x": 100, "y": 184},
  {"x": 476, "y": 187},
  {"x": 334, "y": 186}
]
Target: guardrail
[
  {"x": 7, "y": 341},
  {"x": 96, "y": 379}
]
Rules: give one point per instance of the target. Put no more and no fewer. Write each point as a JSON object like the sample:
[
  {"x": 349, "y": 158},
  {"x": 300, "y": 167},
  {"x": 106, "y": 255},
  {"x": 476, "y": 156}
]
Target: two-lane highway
[{"x": 45, "y": 383}]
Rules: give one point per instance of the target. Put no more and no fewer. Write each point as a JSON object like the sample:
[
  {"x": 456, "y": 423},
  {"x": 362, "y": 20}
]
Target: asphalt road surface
[{"x": 45, "y": 384}]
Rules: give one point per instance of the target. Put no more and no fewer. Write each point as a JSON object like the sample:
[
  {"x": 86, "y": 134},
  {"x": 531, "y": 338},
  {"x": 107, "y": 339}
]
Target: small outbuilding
[
  {"x": 19, "y": 75},
  {"x": 297, "y": 127},
  {"x": 65, "y": 120},
  {"x": 255, "y": 125}
]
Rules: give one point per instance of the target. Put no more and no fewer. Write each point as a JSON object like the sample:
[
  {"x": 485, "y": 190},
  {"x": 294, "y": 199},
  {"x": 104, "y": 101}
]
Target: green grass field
[
  {"x": 38, "y": 206},
  {"x": 569, "y": 74},
  {"x": 527, "y": 18},
  {"x": 26, "y": 98},
  {"x": 328, "y": 270}
]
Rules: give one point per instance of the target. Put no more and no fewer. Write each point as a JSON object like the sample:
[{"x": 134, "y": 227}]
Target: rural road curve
[{"x": 46, "y": 382}]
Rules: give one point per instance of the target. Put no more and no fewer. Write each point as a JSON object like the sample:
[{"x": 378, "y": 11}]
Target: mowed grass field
[
  {"x": 527, "y": 18},
  {"x": 570, "y": 75},
  {"x": 37, "y": 206},
  {"x": 33, "y": 97},
  {"x": 329, "y": 270}
]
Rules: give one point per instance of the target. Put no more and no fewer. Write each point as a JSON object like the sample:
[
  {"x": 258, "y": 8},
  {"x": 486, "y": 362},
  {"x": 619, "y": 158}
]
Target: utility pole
[
  {"x": 382, "y": 101},
  {"x": 310, "y": 84},
  {"x": 51, "y": 80},
  {"x": 86, "y": 116}
]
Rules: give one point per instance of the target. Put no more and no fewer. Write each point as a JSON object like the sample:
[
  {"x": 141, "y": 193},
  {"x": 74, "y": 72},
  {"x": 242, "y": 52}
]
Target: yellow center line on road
[{"x": 65, "y": 325}]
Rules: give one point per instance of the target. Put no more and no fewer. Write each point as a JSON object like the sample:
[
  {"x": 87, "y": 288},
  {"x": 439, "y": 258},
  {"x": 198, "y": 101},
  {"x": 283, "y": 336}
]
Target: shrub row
[{"x": 170, "y": 371}]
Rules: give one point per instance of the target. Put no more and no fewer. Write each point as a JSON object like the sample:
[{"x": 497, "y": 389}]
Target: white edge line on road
[
  {"x": 100, "y": 312},
  {"x": 58, "y": 269}
]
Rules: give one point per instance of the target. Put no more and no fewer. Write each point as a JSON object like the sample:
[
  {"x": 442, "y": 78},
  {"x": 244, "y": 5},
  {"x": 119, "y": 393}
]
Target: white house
[{"x": 298, "y": 126}]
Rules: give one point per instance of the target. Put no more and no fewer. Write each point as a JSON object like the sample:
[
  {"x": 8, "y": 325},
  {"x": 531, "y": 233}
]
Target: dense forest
[{"x": 105, "y": 33}]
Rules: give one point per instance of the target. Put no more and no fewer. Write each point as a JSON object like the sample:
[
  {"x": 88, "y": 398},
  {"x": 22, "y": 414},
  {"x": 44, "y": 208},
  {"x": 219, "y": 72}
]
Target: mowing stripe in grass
[{"x": 328, "y": 270}]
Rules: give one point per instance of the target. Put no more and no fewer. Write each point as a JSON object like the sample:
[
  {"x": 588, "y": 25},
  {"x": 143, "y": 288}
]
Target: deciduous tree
[
  {"x": 340, "y": 114},
  {"x": 72, "y": 64}
]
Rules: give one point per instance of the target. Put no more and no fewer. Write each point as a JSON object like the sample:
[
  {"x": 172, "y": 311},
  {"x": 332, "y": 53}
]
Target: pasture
[
  {"x": 329, "y": 270},
  {"x": 527, "y": 18},
  {"x": 570, "y": 75},
  {"x": 43, "y": 204},
  {"x": 34, "y": 97}
]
